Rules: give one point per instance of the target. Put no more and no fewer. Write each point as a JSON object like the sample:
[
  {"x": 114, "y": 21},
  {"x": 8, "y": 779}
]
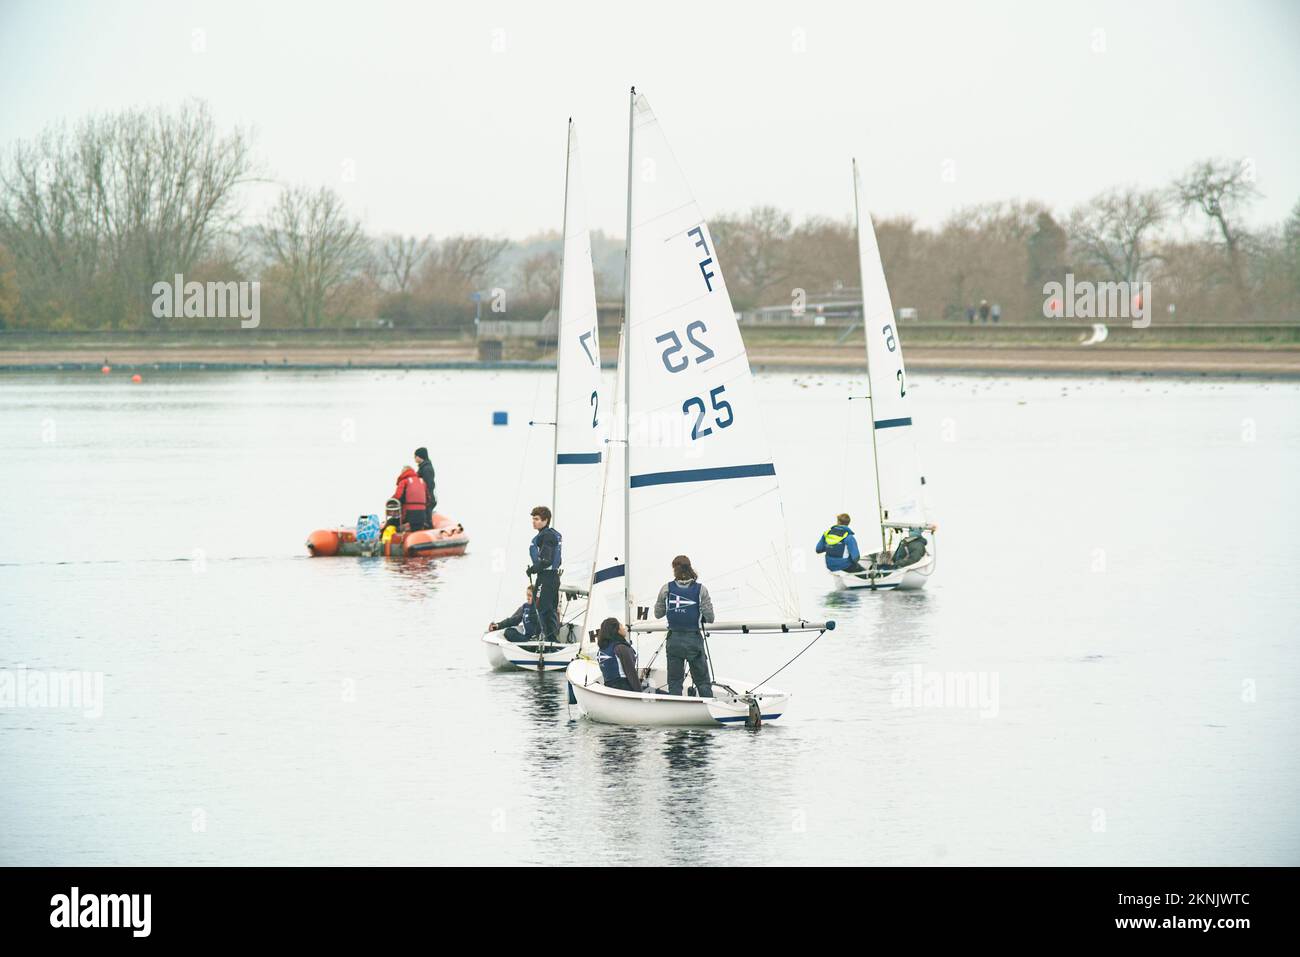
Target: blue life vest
[
  {"x": 535, "y": 549},
  {"x": 528, "y": 621},
  {"x": 683, "y": 606},
  {"x": 834, "y": 539},
  {"x": 611, "y": 669}
]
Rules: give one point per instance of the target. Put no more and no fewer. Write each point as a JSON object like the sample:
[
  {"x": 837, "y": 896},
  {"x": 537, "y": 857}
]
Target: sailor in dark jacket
[
  {"x": 524, "y": 618},
  {"x": 545, "y": 557},
  {"x": 687, "y": 605},
  {"x": 911, "y": 549},
  {"x": 426, "y": 473},
  {"x": 617, "y": 659}
]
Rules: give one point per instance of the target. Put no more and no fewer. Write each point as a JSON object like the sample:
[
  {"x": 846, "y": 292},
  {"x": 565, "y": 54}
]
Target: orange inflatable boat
[{"x": 445, "y": 538}]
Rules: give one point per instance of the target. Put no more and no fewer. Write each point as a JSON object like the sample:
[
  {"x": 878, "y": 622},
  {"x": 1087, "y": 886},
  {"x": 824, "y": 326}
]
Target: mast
[
  {"x": 871, "y": 411},
  {"x": 559, "y": 322},
  {"x": 627, "y": 372}
]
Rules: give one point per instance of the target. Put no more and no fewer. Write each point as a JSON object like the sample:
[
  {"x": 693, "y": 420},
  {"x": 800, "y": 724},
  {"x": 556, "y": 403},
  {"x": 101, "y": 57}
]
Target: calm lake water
[{"x": 1118, "y": 561}]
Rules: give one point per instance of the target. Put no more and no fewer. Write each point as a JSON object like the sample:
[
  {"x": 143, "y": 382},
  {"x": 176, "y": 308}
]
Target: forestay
[
  {"x": 607, "y": 598},
  {"x": 898, "y": 467},
  {"x": 580, "y": 419},
  {"x": 701, "y": 480}
]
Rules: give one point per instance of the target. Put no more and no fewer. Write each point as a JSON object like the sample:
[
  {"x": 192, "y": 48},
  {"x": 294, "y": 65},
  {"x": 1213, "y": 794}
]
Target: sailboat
[
  {"x": 898, "y": 487},
  {"x": 576, "y": 467},
  {"x": 688, "y": 471}
]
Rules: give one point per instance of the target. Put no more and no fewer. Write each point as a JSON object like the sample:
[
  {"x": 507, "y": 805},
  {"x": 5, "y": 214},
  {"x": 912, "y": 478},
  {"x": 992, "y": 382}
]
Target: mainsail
[
  {"x": 580, "y": 425},
  {"x": 699, "y": 478},
  {"x": 898, "y": 468}
]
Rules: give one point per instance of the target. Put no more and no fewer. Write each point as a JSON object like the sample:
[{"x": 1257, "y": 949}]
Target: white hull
[
  {"x": 911, "y": 578},
  {"x": 506, "y": 655},
  {"x": 610, "y": 706}
]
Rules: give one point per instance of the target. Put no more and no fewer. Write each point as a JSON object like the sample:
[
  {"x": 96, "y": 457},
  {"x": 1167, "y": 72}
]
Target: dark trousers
[
  {"x": 546, "y": 599},
  {"x": 620, "y": 684},
  {"x": 417, "y": 520},
  {"x": 428, "y": 516},
  {"x": 687, "y": 648},
  {"x": 514, "y": 634}
]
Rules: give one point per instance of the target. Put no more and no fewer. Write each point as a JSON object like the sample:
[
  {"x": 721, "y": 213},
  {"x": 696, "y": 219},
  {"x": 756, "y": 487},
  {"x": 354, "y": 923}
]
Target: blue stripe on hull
[
  {"x": 703, "y": 475},
  {"x": 766, "y": 717},
  {"x": 892, "y": 423},
  {"x": 577, "y": 458}
]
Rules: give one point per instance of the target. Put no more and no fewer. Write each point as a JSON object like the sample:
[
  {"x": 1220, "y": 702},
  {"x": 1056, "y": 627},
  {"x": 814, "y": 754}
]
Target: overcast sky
[{"x": 451, "y": 117}]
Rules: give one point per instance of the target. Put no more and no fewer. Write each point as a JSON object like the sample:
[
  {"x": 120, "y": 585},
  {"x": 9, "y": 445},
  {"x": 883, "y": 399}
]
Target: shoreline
[{"x": 1266, "y": 363}]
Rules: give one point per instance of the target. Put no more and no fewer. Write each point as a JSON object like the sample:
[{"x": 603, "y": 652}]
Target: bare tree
[
  {"x": 1111, "y": 231},
  {"x": 753, "y": 250},
  {"x": 1220, "y": 190},
  {"x": 317, "y": 248},
  {"x": 398, "y": 259},
  {"x": 539, "y": 275}
]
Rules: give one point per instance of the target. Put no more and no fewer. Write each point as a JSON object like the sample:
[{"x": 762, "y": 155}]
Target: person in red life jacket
[{"x": 412, "y": 494}]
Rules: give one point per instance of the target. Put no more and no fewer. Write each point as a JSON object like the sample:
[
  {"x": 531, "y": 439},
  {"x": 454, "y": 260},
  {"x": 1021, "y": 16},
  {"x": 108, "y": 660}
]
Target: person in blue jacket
[
  {"x": 839, "y": 546},
  {"x": 544, "y": 554},
  {"x": 524, "y": 618}
]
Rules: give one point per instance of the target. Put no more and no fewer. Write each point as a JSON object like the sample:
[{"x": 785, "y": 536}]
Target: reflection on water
[{"x": 342, "y": 710}]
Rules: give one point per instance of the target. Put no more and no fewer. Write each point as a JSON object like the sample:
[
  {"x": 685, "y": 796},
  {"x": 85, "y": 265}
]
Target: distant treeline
[{"x": 93, "y": 215}]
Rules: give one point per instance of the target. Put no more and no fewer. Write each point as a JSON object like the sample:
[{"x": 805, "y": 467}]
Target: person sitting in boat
[
  {"x": 840, "y": 547},
  {"x": 392, "y": 519},
  {"x": 525, "y": 618},
  {"x": 425, "y": 470},
  {"x": 911, "y": 549},
  {"x": 617, "y": 658},
  {"x": 687, "y": 605},
  {"x": 544, "y": 555},
  {"x": 410, "y": 492}
]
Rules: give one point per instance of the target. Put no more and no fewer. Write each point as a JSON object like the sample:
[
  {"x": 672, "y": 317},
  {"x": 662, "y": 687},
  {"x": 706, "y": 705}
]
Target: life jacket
[
  {"x": 528, "y": 621},
  {"x": 834, "y": 538},
  {"x": 611, "y": 668},
  {"x": 535, "y": 549},
  {"x": 683, "y": 605},
  {"x": 410, "y": 491}
]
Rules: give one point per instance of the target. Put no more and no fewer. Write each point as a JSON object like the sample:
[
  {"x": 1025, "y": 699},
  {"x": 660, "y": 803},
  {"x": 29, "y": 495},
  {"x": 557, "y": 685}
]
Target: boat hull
[
  {"x": 506, "y": 655},
  {"x": 911, "y": 578},
  {"x": 446, "y": 538},
  {"x": 609, "y": 706}
]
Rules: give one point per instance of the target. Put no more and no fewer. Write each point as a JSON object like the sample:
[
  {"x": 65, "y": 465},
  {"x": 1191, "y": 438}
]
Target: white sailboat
[
  {"x": 897, "y": 495},
  {"x": 696, "y": 477},
  {"x": 577, "y": 466}
]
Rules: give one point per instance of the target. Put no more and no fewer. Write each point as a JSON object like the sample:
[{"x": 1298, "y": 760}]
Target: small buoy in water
[
  {"x": 500, "y": 418},
  {"x": 137, "y": 378},
  {"x": 106, "y": 369}
]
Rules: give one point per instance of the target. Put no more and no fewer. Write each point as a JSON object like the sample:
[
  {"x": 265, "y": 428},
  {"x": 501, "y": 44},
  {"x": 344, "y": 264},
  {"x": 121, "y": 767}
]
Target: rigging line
[
  {"x": 519, "y": 488},
  {"x": 788, "y": 663}
]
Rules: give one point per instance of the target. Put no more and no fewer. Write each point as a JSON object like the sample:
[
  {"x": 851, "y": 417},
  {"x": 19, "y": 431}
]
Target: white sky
[{"x": 445, "y": 135}]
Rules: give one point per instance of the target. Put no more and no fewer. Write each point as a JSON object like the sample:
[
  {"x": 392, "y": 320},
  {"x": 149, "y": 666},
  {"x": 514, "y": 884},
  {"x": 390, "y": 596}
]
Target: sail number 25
[
  {"x": 676, "y": 363},
  {"x": 719, "y": 406}
]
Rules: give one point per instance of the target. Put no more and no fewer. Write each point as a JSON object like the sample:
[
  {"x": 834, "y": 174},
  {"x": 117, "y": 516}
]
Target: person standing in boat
[
  {"x": 617, "y": 658},
  {"x": 687, "y": 605},
  {"x": 525, "y": 617},
  {"x": 411, "y": 493},
  {"x": 840, "y": 547},
  {"x": 545, "y": 556},
  {"x": 425, "y": 470}
]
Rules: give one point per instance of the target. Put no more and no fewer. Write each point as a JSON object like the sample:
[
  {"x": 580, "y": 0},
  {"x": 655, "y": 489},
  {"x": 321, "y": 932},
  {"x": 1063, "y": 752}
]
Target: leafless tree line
[{"x": 91, "y": 216}]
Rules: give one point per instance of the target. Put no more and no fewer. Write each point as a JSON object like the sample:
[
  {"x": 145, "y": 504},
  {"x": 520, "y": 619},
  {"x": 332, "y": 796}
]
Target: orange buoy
[
  {"x": 323, "y": 542},
  {"x": 106, "y": 369},
  {"x": 137, "y": 378}
]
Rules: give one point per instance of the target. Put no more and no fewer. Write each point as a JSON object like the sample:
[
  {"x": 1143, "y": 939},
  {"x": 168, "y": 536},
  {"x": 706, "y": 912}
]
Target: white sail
[
  {"x": 898, "y": 468},
  {"x": 607, "y": 598},
  {"x": 700, "y": 479},
  {"x": 580, "y": 425}
]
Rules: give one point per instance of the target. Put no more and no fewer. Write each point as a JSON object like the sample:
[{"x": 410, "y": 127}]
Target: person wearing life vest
[
  {"x": 426, "y": 475},
  {"x": 617, "y": 658},
  {"x": 687, "y": 605},
  {"x": 545, "y": 561},
  {"x": 524, "y": 618},
  {"x": 411, "y": 493},
  {"x": 840, "y": 547}
]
